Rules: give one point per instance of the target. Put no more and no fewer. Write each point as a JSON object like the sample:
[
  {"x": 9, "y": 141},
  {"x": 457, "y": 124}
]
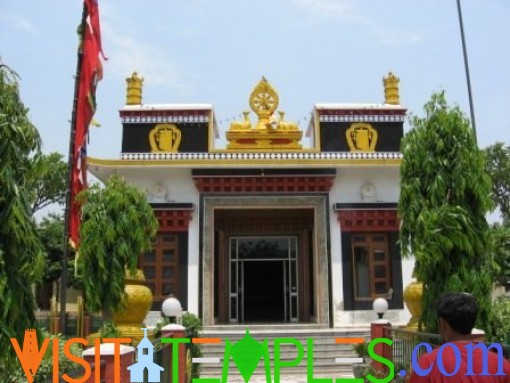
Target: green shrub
[
  {"x": 12, "y": 371},
  {"x": 500, "y": 320},
  {"x": 193, "y": 326},
  {"x": 109, "y": 330},
  {"x": 361, "y": 349}
]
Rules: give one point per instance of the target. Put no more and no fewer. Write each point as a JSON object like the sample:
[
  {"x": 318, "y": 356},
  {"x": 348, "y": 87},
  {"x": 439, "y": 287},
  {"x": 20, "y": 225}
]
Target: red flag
[
  {"x": 90, "y": 74},
  {"x": 93, "y": 12}
]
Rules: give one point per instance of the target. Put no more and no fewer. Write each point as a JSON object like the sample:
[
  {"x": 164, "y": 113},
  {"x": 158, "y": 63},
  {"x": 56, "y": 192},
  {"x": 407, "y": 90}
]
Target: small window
[
  {"x": 161, "y": 265},
  {"x": 371, "y": 266}
]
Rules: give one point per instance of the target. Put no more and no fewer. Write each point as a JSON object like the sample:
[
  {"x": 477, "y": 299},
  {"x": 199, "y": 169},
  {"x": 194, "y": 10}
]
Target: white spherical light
[
  {"x": 380, "y": 306},
  {"x": 171, "y": 307}
]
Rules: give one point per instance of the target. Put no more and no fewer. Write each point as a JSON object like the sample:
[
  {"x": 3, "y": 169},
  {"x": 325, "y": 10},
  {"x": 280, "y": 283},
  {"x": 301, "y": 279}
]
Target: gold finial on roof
[
  {"x": 391, "y": 94},
  {"x": 134, "y": 90},
  {"x": 263, "y": 101},
  {"x": 271, "y": 133}
]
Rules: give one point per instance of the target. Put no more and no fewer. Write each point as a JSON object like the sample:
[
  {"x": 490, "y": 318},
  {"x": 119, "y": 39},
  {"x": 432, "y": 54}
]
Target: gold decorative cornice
[
  {"x": 271, "y": 133},
  {"x": 134, "y": 90},
  {"x": 249, "y": 161},
  {"x": 391, "y": 94}
]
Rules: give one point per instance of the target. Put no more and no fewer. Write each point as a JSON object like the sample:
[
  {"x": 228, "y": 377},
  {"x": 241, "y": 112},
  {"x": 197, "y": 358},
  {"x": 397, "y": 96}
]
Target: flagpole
[
  {"x": 466, "y": 67},
  {"x": 70, "y": 167}
]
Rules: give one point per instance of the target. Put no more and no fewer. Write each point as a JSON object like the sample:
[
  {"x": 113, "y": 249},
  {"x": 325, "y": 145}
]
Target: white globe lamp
[
  {"x": 380, "y": 306},
  {"x": 171, "y": 307}
]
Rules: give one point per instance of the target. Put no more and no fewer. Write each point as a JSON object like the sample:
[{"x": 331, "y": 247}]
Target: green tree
[
  {"x": 47, "y": 181},
  {"x": 498, "y": 166},
  {"x": 118, "y": 225},
  {"x": 501, "y": 252},
  {"x": 21, "y": 260},
  {"x": 51, "y": 234},
  {"x": 444, "y": 197}
]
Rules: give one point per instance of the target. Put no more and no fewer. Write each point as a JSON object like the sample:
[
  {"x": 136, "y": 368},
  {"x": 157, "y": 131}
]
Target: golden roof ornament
[
  {"x": 271, "y": 133},
  {"x": 263, "y": 101},
  {"x": 391, "y": 94},
  {"x": 134, "y": 90}
]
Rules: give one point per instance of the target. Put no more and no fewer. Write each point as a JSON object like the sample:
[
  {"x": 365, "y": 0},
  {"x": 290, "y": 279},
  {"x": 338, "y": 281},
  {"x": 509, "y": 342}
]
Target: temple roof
[
  {"x": 358, "y": 106},
  {"x": 147, "y": 107}
]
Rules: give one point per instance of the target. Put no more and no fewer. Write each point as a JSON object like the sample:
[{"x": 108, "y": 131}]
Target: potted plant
[{"x": 360, "y": 370}]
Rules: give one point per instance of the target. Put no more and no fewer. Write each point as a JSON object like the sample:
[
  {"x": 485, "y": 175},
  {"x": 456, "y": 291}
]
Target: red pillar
[
  {"x": 177, "y": 331},
  {"x": 107, "y": 358},
  {"x": 377, "y": 330}
]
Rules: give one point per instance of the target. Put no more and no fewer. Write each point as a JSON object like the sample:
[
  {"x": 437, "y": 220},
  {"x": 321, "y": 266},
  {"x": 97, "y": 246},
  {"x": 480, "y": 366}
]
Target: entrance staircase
[{"x": 325, "y": 350}]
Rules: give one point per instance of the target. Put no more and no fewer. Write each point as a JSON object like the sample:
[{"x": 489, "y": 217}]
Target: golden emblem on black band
[
  {"x": 165, "y": 138},
  {"x": 361, "y": 137}
]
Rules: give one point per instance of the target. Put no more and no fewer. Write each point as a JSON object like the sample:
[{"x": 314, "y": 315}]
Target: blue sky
[{"x": 205, "y": 51}]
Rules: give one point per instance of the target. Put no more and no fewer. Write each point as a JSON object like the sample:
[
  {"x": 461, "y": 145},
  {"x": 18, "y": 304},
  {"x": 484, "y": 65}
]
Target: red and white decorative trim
[
  {"x": 283, "y": 157},
  {"x": 363, "y": 220},
  {"x": 173, "y": 220},
  {"x": 164, "y": 119},
  {"x": 265, "y": 184},
  {"x": 362, "y": 118}
]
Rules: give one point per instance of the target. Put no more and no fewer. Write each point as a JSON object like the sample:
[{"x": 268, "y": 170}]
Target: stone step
[
  {"x": 325, "y": 349},
  {"x": 324, "y": 371}
]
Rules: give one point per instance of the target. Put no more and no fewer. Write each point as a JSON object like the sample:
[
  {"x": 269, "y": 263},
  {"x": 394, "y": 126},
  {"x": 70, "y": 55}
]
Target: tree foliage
[
  {"x": 500, "y": 320},
  {"x": 21, "y": 260},
  {"x": 501, "y": 253},
  {"x": 498, "y": 166},
  {"x": 51, "y": 234},
  {"x": 47, "y": 181},
  {"x": 118, "y": 225},
  {"x": 443, "y": 201}
]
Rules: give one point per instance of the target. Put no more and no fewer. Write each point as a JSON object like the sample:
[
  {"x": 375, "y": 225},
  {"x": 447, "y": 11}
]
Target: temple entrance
[
  {"x": 263, "y": 266},
  {"x": 264, "y": 286}
]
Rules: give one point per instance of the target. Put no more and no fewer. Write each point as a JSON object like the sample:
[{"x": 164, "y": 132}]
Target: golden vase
[
  {"x": 136, "y": 304},
  {"x": 413, "y": 294}
]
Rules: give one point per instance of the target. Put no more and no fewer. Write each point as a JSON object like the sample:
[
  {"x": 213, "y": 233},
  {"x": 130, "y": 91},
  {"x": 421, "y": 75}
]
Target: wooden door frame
[
  {"x": 318, "y": 203},
  {"x": 303, "y": 272}
]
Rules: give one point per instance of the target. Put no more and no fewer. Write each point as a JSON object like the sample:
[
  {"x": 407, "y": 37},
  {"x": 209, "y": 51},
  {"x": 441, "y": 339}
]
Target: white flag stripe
[
  {"x": 348, "y": 360},
  {"x": 206, "y": 360}
]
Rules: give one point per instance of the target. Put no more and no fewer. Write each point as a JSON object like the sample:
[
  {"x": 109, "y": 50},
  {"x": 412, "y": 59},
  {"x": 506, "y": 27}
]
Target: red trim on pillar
[
  {"x": 173, "y": 220},
  {"x": 264, "y": 184},
  {"x": 368, "y": 220}
]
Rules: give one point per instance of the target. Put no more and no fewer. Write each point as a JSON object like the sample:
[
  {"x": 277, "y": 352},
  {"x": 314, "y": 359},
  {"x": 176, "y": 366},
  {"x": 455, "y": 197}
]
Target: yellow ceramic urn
[
  {"x": 413, "y": 294},
  {"x": 137, "y": 302}
]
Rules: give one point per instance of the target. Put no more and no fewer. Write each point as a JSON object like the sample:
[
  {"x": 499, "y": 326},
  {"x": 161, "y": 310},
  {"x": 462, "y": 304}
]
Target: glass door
[{"x": 263, "y": 279}]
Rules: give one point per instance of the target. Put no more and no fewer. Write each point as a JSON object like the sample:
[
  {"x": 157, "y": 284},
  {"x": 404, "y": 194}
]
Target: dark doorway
[
  {"x": 264, "y": 235},
  {"x": 263, "y": 291}
]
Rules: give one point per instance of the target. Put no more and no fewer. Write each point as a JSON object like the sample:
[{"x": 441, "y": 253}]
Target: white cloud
[
  {"x": 348, "y": 10},
  {"x": 126, "y": 55},
  {"x": 345, "y": 9},
  {"x": 17, "y": 22},
  {"x": 387, "y": 35}
]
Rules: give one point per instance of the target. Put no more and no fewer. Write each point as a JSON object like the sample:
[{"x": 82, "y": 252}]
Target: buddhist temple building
[{"x": 256, "y": 226}]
